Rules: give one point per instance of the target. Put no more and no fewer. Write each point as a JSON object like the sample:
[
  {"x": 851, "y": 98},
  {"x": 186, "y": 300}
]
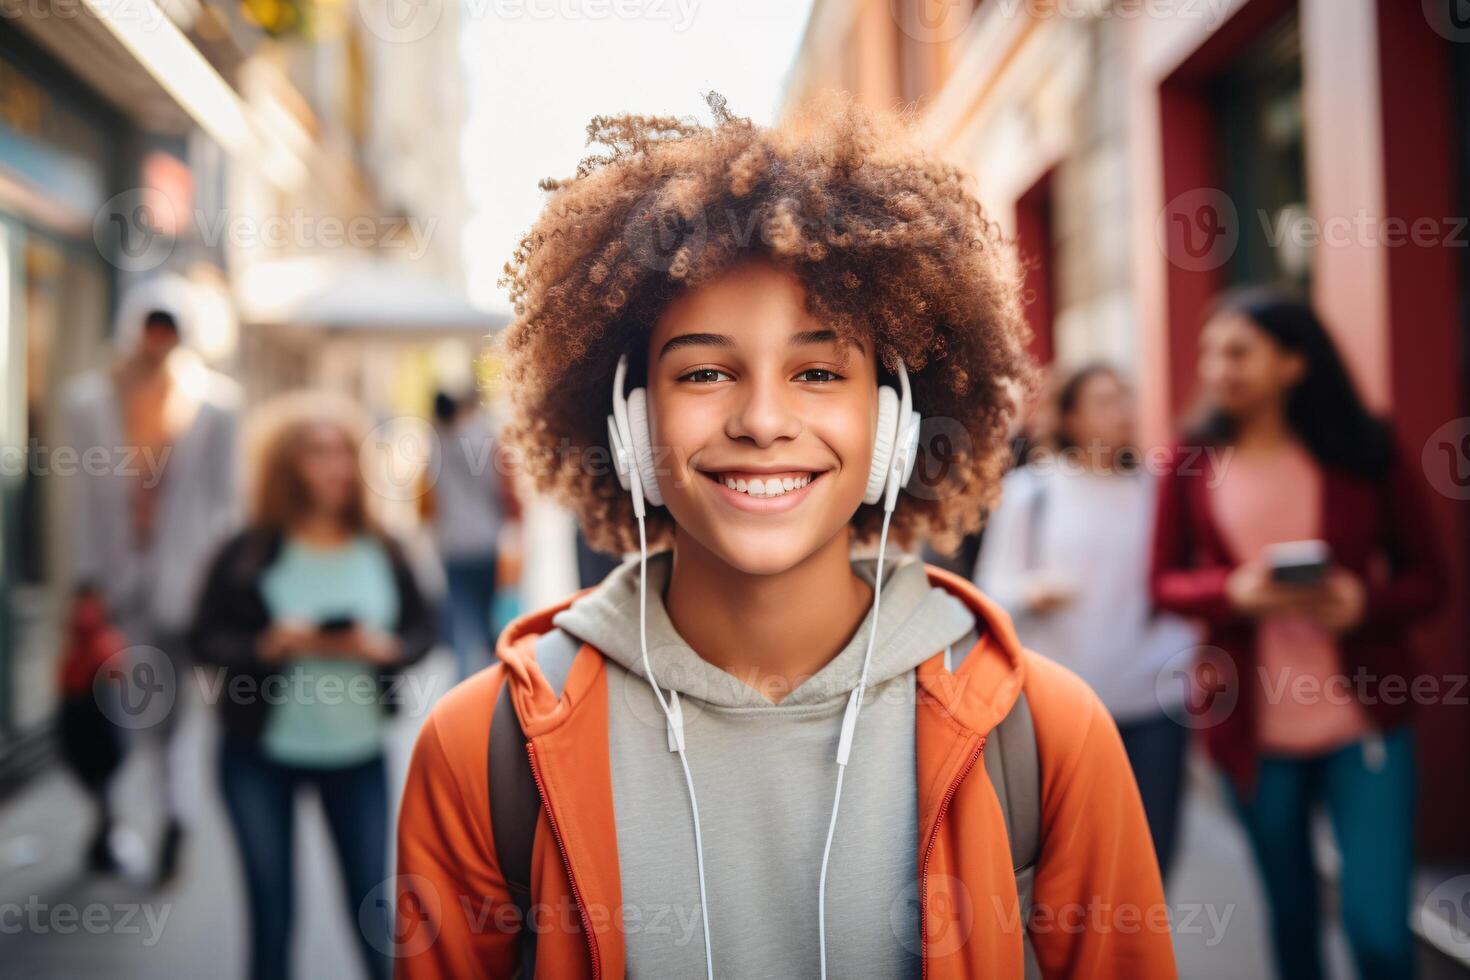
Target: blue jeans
[
  {"x": 1156, "y": 749},
  {"x": 261, "y": 798},
  {"x": 1371, "y": 807},
  {"x": 471, "y": 598}
]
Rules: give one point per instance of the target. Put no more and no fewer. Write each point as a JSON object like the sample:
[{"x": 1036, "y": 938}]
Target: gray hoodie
[{"x": 765, "y": 775}]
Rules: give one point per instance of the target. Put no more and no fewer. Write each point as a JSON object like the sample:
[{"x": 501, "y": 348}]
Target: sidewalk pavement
[{"x": 55, "y": 922}]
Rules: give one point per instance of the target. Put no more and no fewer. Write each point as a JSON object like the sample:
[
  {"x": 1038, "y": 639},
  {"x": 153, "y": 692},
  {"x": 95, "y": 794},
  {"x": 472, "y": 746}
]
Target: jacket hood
[
  {"x": 915, "y": 620},
  {"x": 977, "y": 694}
]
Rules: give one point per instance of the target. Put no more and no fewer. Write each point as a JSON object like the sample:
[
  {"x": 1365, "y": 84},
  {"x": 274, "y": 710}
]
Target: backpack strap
[
  {"x": 1014, "y": 768},
  {"x": 515, "y": 801}
]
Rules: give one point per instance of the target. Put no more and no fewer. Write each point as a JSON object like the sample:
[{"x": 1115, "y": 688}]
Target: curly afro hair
[{"x": 889, "y": 243}]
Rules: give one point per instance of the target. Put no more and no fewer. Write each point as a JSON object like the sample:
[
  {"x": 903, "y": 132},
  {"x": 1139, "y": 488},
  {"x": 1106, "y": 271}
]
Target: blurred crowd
[
  {"x": 292, "y": 592},
  {"x": 1254, "y": 583}
]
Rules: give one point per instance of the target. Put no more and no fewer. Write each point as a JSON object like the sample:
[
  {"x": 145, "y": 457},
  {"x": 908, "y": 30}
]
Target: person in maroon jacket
[{"x": 1305, "y": 678}]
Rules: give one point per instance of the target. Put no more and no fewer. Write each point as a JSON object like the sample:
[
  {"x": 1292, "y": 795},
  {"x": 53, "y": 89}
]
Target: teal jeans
[{"x": 1369, "y": 798}]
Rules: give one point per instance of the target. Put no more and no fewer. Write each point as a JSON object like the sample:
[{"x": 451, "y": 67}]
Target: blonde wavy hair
[{"x": 275, "y": 440}]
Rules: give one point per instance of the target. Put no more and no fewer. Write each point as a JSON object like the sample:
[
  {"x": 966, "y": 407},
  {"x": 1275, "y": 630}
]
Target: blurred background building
[
  {"x": 1146, "y": 156},
  {"x": 298, "y": 160}
]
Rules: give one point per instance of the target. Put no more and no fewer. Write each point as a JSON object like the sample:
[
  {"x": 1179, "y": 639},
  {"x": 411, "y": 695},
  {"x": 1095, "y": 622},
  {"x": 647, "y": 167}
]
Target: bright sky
[{"x": 535, "y": 79}]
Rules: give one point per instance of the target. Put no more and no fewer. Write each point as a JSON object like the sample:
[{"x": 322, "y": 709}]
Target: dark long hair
[{"x": 1324, "y": 410}]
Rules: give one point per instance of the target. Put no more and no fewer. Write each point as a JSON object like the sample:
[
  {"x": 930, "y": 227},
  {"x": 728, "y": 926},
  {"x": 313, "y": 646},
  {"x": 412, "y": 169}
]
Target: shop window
[{"x": 1257, "y": 107}]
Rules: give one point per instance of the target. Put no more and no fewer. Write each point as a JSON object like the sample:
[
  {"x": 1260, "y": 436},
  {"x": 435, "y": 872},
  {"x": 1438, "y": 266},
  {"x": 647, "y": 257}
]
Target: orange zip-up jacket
[{"x": 1098, "y": 904}]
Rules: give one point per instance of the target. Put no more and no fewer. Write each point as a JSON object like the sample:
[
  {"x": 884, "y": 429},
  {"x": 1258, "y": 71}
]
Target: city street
[
  {"x": 199, "y": 919},
  {"x": 334, "y": 336},
  {"x": 195, "y": 927}
]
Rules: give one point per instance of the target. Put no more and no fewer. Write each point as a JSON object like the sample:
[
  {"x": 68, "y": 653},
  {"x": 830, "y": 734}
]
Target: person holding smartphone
[
  {"x": 306, "y": 614},
  {"x": 1291, "y": 526},
  {"x": 750, "y": 751}
]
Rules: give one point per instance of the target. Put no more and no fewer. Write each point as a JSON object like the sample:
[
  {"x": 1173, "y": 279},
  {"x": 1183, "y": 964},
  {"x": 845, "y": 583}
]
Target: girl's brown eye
[
  {"x": 703, "y": 375},
  {"x": 828, "y": 376}
]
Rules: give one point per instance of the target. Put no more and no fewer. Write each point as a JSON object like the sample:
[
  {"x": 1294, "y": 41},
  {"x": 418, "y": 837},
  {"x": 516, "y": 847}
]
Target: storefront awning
[{"x": 382, "y": 298}]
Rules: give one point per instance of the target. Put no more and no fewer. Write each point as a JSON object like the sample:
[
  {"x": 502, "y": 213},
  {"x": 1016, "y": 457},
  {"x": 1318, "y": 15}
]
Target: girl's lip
[{"x": 762, "y": 505}]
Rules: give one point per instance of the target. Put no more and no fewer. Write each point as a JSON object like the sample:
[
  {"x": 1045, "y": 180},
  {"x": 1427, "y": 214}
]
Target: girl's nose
[{"x": 762, "y": 413}]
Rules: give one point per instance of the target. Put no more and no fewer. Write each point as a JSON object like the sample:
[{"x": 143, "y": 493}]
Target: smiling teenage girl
[{"x": 749, "y": 752}]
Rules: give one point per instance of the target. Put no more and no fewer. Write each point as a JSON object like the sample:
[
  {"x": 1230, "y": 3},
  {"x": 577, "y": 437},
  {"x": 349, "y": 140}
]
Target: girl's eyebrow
[
  {"x": 798, "y": 339},
  {"x": 696, "y": 340},
  {"x": 822, "y": 336}
]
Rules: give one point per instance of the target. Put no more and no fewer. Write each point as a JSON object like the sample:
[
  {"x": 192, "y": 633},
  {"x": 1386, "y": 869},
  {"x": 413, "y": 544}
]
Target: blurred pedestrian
[
  {"x": 469, "y": 501},
  {"x": 1307, "y": 634},
  {"x": 1067, "y": 554},
  {"x": 154, "y": 494},
  {"x": 309, "y": 612}
]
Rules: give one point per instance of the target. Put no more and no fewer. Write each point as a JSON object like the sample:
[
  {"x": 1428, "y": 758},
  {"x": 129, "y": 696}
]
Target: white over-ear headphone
[{"x": 895, "y": 449}]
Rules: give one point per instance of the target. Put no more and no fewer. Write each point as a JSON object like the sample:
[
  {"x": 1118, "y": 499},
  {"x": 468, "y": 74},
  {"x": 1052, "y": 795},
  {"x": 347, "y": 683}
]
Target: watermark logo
[
  {"x": 1199, "y": 230},
  {"x": 1446, "y": 459},
  {"x": 399, "y": 459},
  {"x": 147, "y": 14},
  {"x": 136, "y": 687},
  {"x": 1450, "y": 19},
  {"x": 137, "y": 230},
  {"x": 931, "y": 21},
  {"x": 128, "y": 230},
  {"x": 400, "y": 21},
  {"x": 1445, "y": 914},
  {"x": 942, "y": 464},
  {"x": 1198, "y": 687},
  {"x": 37, "y": 918},
  {"x": 661, "y": 235},
  {"x": 674, "y": 670},
  {"x": 949, "y": 925},
  {"x": 401, "y": 915}
]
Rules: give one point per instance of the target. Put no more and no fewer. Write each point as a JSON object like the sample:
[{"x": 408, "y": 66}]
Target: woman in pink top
[{"x": 1302, "y": 702}]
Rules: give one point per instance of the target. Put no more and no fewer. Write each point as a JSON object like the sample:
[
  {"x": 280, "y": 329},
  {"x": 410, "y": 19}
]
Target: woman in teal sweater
[{"x": 307, "y": 615}]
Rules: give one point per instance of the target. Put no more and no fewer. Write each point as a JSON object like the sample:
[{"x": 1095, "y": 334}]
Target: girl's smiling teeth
[{"x": 764, "y": 484}]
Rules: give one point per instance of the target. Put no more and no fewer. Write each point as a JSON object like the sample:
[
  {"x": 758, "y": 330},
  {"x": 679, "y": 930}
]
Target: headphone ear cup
[
  {"x": 911, "y": 447},
  {"x": 643, "y": 445},
  {"x": 622, "y": 460},
  {"x": 882, "y": 444}
]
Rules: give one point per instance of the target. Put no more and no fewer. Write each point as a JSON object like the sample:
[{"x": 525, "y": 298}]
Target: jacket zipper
[
  {"x": 929, "y": 850},
  {"x": 566, "y": 863}
]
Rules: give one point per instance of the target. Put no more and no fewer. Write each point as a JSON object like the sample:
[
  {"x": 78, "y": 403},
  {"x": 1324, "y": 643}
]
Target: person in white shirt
[
  {"x": 156, "y": 431},
  {"x": 1067, "y": 553}
]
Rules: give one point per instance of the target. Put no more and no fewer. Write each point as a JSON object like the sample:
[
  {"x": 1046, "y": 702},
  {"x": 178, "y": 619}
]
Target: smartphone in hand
[
  {"x": 337, "y": 624},
  {"x": 1299, "y": 562}
]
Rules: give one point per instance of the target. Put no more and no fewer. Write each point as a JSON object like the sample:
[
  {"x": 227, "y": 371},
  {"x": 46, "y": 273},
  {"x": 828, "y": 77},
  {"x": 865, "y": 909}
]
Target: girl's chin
[
  {"x": 767, "y": 551},
  {"x": 764, "y": 561}
]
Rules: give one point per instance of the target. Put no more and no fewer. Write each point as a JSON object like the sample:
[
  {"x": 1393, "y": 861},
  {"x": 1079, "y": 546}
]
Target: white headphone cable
[
  {"x": 676, "y": 730},
  {"x": 844, "y": 742}
]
